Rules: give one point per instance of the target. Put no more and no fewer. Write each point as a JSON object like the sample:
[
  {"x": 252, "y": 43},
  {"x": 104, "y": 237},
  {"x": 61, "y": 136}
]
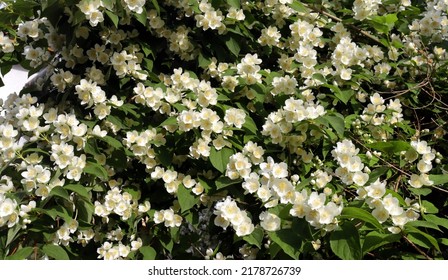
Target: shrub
[{"x": 192, "y": 129}]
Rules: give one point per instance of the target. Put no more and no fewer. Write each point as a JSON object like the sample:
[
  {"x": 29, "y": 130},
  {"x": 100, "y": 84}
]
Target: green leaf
[
  {"x": 57, "y": 211},
  {"x": 421, "y": 238},
  {"x": 374, "y": 240},
  {"x": 255, "y": 238},
  {"x": 112, "y": 142},
  {"x": 148, "y": 252},
  {"x": 421, "y": 191},
  {"x": 142, "y": 17},
  {"x": 55, "y": 252},
  {"x": 439, "y": 179},
  {"x": 169, "y": 121},
  {"x": 113, "y": 17},
  {"x": 429, "y": 207},
  {"x": 21, "y": 254},
  {"x": 288, "y": 240},
  {"x": 156, "y": 6},
  {"x": 233, "y": 46},
  {"x": 234, "y": 3},
  {"x": 250, "y": 126},
  {"x": 61, "y": 192},
  {"x": 344, "y": 95},
  {"x": 390, "y": 147},
  {"x": 35, "y": 150},
  {"x": 299, "y": 7},
  {"x": 220, "y": 159},
  {"x": 337, "y": 92},
  {"x": 337, "y": 122},
  {"x": 224, "y": 181},
  {"x": 187, "y": 199},
  {"x": 376, "y": 173},
  {"x": 12, "y": 234},
  {"x": 424, "y": 224},
  {"x": 79, "y": 189},
  {"x": 85, "y": 210},
  {"x": 363, "y": 215},
  {"x": 384, "y": 24},
  {"x": 95, "y": 169},
  {"x": 345, "y": 243},
  {"x": 437, "y": 220}
]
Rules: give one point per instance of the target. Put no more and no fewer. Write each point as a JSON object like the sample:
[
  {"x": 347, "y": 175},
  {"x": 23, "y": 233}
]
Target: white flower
[
  {"x": 415, "y": 181},
  {"x": 316, "y": 201},
  {"x": 269, "y": 221},
  {"x": 392, "y": 205},
  {"x": 377, "y": 189},
  {"x": 7, "y": 207},
  {"x": 328, "y": 212},
  {"x": 235, "y": 117},
  {"x": 381, "y": 214}
]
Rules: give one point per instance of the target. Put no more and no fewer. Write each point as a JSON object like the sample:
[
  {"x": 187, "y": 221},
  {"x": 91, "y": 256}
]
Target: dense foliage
[{"x": 186, "y": 129}]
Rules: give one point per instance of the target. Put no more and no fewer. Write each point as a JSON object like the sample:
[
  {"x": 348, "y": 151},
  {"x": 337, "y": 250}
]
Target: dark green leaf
[
  {"x": 424, "y": 224},
  {"x": 443, "y": 222},
  {"x": 112, "y": 142},
  {"x": 85, "y": 210},
  {"x": 60, "y": 192},
  {"x": 363, "y": 215},
  {"x": 141, "y": 17},
  {"x": 233, "y": 46},
  {"x": 95, "y": 169},
  {"x": 374, "y": 240},
  {"x": 220, "y": 159},
  {"x": 79, "y": 189},
  {"x": 288, "y": 240},
  {"x": 250, "y": 126},
  {"x": 345, "y": 243},
  {"x": 255, "y": 238},
  {"x": 113, "y": 17},
  {"x": 224, "y": 181},
  {"x": 376, "y": 173},
  {"x": 337, "y": 122},
  {"x": 421, "y": 238},
  {"x": 55, "y": 252}
]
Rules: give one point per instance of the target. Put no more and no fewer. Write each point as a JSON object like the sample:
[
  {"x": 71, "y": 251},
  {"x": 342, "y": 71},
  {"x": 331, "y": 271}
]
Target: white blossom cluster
[
  {"x": 426, "y": 155},
  {"x": 387, "y": 206},
  {"x": 365, "y": 8},
  {"x": 137, "y": 112},
  {"x": 350, "y": 169},
  {"x": 228, "y": 213},
  {"x": 375, "y": 113}
]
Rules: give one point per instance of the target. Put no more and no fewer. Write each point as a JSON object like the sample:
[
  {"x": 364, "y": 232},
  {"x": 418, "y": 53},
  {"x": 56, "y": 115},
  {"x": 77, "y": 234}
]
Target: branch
[{"x": 417, "y": 248}]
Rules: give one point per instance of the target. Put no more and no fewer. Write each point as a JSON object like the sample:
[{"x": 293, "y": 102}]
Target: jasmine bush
[{"x": 187, "y": 129}]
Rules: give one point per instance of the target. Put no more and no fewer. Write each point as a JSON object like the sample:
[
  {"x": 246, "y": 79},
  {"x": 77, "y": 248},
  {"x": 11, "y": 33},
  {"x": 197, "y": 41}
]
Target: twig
[
  {"x": 417, "y": 248},
  {"x": 440, "y": 189},
  {"x": 370, "y": 36},
  {"x": 381, "y": 159}
]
